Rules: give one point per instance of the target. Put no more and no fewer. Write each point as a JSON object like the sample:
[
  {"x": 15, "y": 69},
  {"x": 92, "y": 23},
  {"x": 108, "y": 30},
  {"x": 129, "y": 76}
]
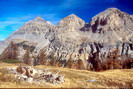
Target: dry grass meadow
[{"x": 73, "y": 78}]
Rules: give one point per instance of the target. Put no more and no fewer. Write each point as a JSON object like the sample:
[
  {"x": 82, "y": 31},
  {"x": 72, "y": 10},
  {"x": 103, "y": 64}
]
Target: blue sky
[{"x": 14, "y": 13}]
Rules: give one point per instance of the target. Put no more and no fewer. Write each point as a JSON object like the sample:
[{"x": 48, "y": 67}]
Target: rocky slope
[{"x": 72, "y": 39}]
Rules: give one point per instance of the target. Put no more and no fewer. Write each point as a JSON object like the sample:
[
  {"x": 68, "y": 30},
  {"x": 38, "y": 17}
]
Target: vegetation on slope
[{"x": 10, "y": 61}]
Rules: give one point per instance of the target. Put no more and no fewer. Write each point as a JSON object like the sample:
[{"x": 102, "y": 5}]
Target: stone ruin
[{"x": 37, "y": 76}]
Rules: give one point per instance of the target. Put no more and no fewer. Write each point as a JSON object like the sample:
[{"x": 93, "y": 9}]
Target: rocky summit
[{"x": 72, "y": 42}]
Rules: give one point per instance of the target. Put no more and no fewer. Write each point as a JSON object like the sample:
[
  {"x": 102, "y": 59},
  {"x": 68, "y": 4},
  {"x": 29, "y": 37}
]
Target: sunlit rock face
[
  {"x": 72, "y": 20},
  {"x": 113, "y": 18},
  {"x": 112, "y": 25},
  {"x": 73, "y": 39}
]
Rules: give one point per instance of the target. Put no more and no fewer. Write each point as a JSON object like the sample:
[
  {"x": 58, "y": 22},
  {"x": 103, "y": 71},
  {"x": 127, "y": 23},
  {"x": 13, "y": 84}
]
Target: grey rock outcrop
[{"x": 35, "y": 76}]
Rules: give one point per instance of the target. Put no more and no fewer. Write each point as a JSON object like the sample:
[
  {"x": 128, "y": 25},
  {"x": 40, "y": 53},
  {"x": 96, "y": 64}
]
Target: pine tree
[
  {"x": 42, "y": 57},
  {"x": 27, "y": 59},
  {"x": 14, "y": 49},
  {"x": 80, "y": 64},
  {"x": 70, "y": 62}
]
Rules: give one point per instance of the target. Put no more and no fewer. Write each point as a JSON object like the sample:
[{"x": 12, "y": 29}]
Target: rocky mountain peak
[
  {"x": 110, "y": 13},
  {"x": 114, "y": 12},
  {"x": 72, "y": 16},
  {"x": 72, "y": 20},
  {"x": 39, "y": 19},
  {"x": 112, "y": 9},
  {"x": 32, "y": 29},
  {"x": 110, "y": 19}
]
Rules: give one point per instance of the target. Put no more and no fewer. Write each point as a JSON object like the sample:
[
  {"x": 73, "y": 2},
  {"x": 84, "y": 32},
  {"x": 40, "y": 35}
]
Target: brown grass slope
[{"x": 74, "y": 78}]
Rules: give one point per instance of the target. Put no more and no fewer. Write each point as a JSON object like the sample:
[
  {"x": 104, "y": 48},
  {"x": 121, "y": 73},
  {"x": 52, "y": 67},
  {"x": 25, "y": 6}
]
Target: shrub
[{"x": 127, "y": 64}]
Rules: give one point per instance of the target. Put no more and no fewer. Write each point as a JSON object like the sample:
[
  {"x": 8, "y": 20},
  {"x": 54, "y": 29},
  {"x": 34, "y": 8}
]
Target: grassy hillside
[{"x": 74, "y": 78}]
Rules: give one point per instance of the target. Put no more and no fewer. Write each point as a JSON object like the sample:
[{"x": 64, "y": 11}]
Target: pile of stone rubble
[{"x": 38, "y": 76}]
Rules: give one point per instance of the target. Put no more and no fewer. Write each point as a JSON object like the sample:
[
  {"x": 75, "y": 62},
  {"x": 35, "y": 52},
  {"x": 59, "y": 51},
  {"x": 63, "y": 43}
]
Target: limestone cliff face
[{"x": 72, "y": 39}]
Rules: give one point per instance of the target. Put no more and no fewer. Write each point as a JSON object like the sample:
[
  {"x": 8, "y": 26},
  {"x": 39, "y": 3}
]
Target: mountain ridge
[{"x": 73, "y": 39}]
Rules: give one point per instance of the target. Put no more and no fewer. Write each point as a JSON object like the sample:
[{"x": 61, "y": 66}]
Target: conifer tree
[{"x": 27, "y": 59}]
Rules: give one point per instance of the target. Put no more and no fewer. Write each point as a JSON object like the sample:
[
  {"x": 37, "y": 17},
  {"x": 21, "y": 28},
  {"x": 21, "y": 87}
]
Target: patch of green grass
[{"x": 11, "y": 61}]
